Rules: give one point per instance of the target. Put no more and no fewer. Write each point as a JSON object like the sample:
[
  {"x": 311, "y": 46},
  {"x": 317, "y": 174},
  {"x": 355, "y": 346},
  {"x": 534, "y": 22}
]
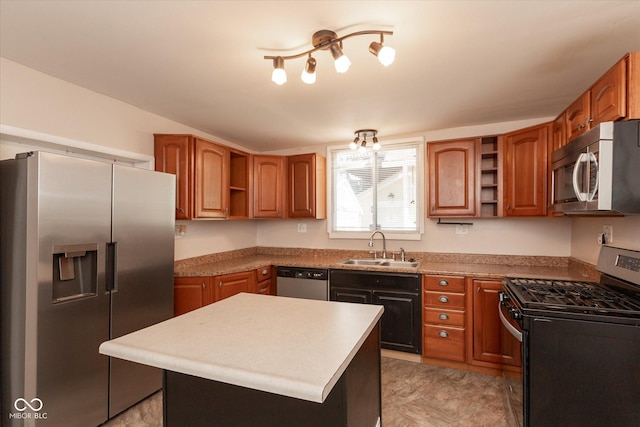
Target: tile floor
[{"x": 413, "y": 395}]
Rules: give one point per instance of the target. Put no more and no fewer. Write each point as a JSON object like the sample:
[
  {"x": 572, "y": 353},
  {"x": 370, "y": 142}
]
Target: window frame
[{"x": 418, "y": 142}]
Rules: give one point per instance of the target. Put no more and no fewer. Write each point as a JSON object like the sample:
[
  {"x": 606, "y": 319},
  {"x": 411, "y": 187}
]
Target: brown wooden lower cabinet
[
  {"x": 461, "y": 326},
  {"x": 492, "y": 343},
  {"x": 444, "y": 333},
  {"x": 266, "y": 284},
  {"x": 190, "y": 293},
  {"x": 231, "y": 284}
]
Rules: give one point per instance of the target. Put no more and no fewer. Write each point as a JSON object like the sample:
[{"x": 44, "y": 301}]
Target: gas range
[
  {"x": 616, "y": 298},
  {"x": 580, "y": 344},
  {"x": 572, "y": 297}
]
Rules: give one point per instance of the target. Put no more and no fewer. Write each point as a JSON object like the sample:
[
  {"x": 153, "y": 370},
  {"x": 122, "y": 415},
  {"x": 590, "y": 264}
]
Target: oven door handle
[{"x": 512, "y": 330}]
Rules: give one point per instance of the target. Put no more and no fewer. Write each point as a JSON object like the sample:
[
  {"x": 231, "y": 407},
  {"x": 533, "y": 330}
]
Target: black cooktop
[{"x": 585, "y": 297}]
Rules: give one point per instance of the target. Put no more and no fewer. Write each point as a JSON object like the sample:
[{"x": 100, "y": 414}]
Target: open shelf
[{"x": 490, "y": 177}]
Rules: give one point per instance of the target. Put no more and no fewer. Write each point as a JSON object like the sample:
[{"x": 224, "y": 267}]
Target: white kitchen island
[{"x": 265, "y": 361}]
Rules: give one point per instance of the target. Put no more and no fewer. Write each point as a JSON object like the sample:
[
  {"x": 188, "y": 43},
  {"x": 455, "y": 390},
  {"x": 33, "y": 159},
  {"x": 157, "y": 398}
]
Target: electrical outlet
[
  {"x": 302, "y": 228},
  {"x": 607, "y": 230},
  {"x": 462, "y": 229},
  {"x": 181, "y": 231}
]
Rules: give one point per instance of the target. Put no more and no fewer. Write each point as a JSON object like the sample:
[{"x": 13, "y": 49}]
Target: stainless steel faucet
[{"x": 384, "y": 242}]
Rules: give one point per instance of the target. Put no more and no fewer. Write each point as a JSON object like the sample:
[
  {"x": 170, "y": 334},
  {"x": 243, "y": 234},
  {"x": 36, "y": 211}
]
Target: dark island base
[{"x": 354, "y": 401}]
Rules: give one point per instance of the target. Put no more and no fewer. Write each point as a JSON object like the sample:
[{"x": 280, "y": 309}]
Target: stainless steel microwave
[{"x": 599, "y": 171}]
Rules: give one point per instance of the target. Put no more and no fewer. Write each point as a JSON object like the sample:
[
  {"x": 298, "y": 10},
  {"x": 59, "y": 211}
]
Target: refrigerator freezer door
[
  {"x": 69, "y": 206},
  {"x": 143, "y": 233}
]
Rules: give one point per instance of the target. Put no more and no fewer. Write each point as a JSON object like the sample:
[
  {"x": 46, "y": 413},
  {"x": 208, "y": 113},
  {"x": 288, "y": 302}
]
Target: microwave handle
[
  {"x": 593, "y": 162},
  {"x": 582, "y": 158}
]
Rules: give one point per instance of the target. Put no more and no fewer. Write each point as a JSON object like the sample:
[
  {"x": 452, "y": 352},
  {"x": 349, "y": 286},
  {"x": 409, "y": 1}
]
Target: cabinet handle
[
  {"x": 310, "y": 210},
  {"x": 443, "y": 316},
  {"x": 204, "y": 286},
  {"x": 265, "y": 271},
  {"x": 263, "y": 290},
  {"x": 581, "y": 126},
  {"x": 180, "y": 209},
  {"x": 443, "y": 334},
  {"x": 220, "y": 285},
  {"x": 443, "y": 298},
  {"x": 443, "y": 282}
]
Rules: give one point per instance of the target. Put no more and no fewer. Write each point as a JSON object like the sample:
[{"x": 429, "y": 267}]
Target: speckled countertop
[{"x": 490, "y": 266}]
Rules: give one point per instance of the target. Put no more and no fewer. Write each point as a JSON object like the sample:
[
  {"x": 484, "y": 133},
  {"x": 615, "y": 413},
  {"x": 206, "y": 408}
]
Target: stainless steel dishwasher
[{"x": 300, "y": 282}]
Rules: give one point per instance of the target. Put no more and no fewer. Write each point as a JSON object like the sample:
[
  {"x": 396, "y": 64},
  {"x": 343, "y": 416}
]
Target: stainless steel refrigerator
[{"x": 86, "y": 255}]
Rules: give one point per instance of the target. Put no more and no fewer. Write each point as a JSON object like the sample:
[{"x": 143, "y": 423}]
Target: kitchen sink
[{"x": 380, "y": 263}]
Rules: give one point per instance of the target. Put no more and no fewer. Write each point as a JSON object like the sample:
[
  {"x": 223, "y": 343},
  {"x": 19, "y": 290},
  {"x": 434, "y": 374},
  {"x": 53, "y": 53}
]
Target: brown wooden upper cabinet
[
  {"x": 173, "y": 155},
  {"x": 306, "y": 186},
  {"x": 616, "y": 95},
  {"x": 525, "y": 171},
  {"x": 268, "y": 186},
  {"x": 465, "y": 177},
  {"x": 452, "y": 178},
  {"x": 204, "y": 178}
]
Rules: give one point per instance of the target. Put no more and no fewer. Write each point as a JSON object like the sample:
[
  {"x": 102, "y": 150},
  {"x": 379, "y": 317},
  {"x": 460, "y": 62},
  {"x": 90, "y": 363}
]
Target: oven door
[
  {"x": 569, "y": 181},
  {"x": 509, "y": 313}
]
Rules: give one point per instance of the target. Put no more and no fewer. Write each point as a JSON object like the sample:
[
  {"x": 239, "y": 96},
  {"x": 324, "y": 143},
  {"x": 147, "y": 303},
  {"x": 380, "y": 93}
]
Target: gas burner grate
[{"x": 544, "y": 293}]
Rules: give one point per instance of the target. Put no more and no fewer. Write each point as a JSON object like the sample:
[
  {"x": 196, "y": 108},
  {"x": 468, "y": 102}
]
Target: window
[{"x": 376, "y": 190}]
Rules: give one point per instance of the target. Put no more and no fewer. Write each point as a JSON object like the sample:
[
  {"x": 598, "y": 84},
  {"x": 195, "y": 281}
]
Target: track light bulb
[
  {"x": 309, "y": 72},
  {"x": 279, "y": 75},
  {"x": 354, "y": 144},
  {"x": 342, "y": 62},
  {"x": 376, "y": 144},
  {"x": 386, "y": 55}
]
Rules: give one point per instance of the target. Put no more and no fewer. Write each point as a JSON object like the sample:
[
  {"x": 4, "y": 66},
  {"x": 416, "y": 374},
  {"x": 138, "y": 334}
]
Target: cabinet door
[
  {"x": 305, "y": 173},
  {"x": 172, "y": 155},
  {"x": 452, "y": 178},
  {"x": 558, "y": 132},
  {"x": 211, "y": 180},
  {"x": 400, "y": 326},
  {"x": 608, "y": 95},
  {"x": 526, "y": 171},
  {"x": 268, "y": 187},
  {"x": 231, "y": 284},
  {"x": 577, "y": 116},
  {"x": 491, "y": 340},
  {"x": 190, "y": 293}
]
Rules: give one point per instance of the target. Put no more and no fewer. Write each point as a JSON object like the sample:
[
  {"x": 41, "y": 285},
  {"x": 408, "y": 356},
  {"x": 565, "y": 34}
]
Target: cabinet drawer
[
  {"x": 444, "y": 283},
  {"x": 444, "y": 317},
  {"x": 444, "y": 299},
  {"x": 264, "y": 273},
  {"x": 444, "y": 342}
]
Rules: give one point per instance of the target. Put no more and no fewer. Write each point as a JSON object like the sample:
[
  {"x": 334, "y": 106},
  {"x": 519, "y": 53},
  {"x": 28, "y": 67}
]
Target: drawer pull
[
  {"x": 443, "y": 316},
  {"x": 443, "y": 298},
  {"x": 443, "y": 282},
  {"x": 265, "y": 271},
  {"x": 443, "y": 334}
]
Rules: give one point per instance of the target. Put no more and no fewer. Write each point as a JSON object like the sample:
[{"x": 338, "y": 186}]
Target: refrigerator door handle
[{"x": 111, "y": 277}]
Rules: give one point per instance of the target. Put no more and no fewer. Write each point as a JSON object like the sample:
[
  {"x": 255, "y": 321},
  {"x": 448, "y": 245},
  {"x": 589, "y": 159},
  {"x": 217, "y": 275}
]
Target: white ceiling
[{"x": 201, "y": 63}]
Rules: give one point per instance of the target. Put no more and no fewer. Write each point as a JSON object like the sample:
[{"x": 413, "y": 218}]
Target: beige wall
[
  {"x": 38, "y": 102},
  {"x": 585, "y": 230}
]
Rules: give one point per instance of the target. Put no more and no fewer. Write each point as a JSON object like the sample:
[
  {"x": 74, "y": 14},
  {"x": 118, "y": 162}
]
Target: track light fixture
[
  {"x": 362, "y": 146},
  {"x": 329, "y": 40}
]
